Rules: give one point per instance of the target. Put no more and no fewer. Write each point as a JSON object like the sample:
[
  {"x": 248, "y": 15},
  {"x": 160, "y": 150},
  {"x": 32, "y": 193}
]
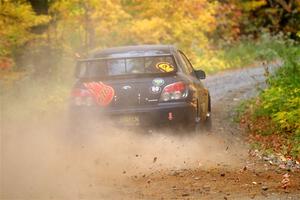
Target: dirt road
[
  {"x": 39, "y": 162},
  {"x": 244, "y": 176}
]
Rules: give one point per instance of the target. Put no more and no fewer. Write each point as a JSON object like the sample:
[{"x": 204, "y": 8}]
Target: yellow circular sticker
[{"x": 165, "y": 67}]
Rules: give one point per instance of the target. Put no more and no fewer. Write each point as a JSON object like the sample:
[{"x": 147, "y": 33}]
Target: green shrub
[
  {"x": 281, "y": 100},
  {"x": 243, "y": 53}
]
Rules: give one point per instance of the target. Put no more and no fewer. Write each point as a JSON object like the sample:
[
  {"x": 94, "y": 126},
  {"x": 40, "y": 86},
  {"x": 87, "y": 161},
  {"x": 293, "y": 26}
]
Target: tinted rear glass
[{"x": 123, "y": 66}]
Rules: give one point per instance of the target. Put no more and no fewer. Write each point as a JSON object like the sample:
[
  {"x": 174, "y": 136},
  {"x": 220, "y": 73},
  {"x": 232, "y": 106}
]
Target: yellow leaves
[
  {"x": 79, "y": 26},
  {"x": 75, "y": 10},
  {"x": 113, "y": 22},
  {"x": 252, "y": 5},
  {"x": 20, "y": 13},
  {"x": 210, "y": 62},
  {"x": 16, "y": 21},
  {"x": 82, "y": 25},
  {"x": 288, "y": 120},
  {"x": 107, "y": 16},
  {"x": 150, "y": 31},
  {"x": 181, "y": 22}
]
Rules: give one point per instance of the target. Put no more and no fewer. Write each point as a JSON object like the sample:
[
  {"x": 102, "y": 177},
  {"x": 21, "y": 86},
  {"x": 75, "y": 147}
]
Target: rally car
[{"x": 145, "y": 85}]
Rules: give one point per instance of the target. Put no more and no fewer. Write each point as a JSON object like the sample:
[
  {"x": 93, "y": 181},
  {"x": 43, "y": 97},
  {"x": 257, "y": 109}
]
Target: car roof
[{"x": 134, "y": 51}]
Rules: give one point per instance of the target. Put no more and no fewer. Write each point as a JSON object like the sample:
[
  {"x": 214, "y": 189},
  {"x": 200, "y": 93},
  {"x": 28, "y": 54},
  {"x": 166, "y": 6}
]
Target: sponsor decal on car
[
  {"x": 165, "y": 67},
  {"x": 155, "y": 89},
  {"x": 158, "y": 82},
  {"x": 103, "y": 94},
  {"x": 126, "y": 87}
]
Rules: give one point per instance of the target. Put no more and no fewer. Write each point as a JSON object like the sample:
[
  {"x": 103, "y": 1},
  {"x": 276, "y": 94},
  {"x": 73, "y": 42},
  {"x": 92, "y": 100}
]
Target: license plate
[{"x": 131, "y": 120}]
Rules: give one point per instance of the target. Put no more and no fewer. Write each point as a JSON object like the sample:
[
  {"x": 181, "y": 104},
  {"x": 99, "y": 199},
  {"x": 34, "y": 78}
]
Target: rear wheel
[
  {"x": 197, "y": 128},
  {"x": 208, "y": 120},
  {"x": 207, "y": 125},
  {"x": 203, "y": 122},
  {"x": 202, "y": 126}
]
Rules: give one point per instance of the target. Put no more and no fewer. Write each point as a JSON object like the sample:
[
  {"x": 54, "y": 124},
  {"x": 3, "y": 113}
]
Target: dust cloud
[{"x": 40, "y": 159}]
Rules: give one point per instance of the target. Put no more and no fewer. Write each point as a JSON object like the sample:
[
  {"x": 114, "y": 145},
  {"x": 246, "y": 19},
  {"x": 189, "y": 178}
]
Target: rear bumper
[{"x": 163, "y": 113}]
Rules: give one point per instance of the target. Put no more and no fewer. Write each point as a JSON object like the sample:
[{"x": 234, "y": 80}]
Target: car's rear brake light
[
  {"x": 174, "y": 91},
  {"x": 82, "y": 97}
]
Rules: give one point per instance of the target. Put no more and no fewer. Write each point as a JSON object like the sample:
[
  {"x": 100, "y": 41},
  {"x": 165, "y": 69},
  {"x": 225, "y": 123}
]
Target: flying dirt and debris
[{"x": 39, "y": 160}]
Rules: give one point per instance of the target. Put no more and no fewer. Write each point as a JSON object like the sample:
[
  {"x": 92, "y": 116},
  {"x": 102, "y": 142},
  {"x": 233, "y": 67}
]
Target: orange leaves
[
  {"x": 6, "y": 63},
  {"x": 285, "y": 181}
]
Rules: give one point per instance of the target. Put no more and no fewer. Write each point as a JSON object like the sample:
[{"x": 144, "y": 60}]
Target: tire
[
  {"x": 208, "y": 120},
  {"x": 207, "y": 125},
  {"x": 197, "y": 129},
  {"x": 203, "y": 123},
  {"x": 202, "y": 127}
]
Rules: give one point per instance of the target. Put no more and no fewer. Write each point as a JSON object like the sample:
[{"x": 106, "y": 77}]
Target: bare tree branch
[{"x": 285, "y": 5}]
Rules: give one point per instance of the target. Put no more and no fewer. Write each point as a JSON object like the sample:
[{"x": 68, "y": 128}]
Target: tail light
[
  {"x": 174, "y": 91},
  {"x": 82, "y": 97}
]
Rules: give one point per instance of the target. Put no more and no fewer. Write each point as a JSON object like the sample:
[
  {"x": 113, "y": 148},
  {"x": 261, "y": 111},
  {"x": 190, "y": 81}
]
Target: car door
[{"x": 202, "y": 92}]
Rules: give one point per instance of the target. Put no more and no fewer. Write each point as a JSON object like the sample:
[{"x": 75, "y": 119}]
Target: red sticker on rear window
[{"x": 103, "y": 94}]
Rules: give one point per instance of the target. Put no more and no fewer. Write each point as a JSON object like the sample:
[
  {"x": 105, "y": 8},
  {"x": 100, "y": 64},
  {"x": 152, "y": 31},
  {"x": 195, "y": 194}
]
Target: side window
[
  {"x": 187, "y": 64},
  {"x": 184, "y": 66}
]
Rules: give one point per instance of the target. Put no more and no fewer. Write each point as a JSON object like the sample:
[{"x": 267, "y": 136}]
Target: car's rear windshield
[{"x": 124, "y": 66}]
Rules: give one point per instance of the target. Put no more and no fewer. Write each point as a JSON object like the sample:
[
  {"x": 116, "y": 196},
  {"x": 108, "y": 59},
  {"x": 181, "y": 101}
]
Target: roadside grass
[
  {"x": 273, "y": 118},
  {"x": 240, "y": 109},
  {"x": 244, "y": 53}
]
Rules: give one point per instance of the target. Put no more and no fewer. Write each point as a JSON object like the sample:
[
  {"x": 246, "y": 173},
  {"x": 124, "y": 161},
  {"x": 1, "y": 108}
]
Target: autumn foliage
[{"x": 52, "y": 28}]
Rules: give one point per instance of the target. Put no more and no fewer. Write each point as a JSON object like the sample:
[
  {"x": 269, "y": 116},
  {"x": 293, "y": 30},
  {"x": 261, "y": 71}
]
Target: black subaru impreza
[{"x": 140, "y": 86}]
